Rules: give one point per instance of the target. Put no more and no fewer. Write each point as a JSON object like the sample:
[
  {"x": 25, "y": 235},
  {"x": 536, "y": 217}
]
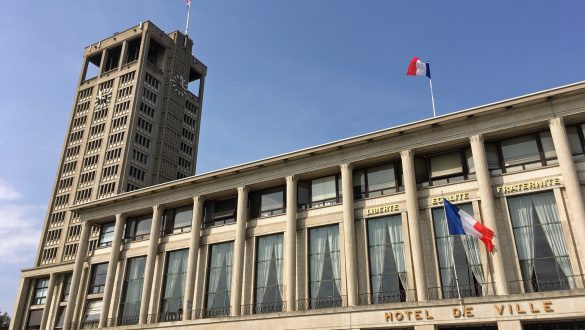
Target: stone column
[
  {"x": 572, "y": 184},
  {"x": 76, "y": 277},
  {"x": 192, "y": 258},
  {"x": 48, "y": 301},
  {"x": 150, "y": 260},
  {"x": 349, "y": 233},
  {"x": 19, "y": 309},
  {"x": 488, "y": 207},
  {"x": 112, "y": 268},
  {"x": 411, "y": 195},
  {"x": 290, "y": 243},
  {"x": 238, "y": 270}
]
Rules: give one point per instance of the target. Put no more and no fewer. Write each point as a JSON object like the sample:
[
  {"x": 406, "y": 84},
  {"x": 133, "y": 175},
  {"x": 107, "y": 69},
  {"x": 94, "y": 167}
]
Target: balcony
[{"x": 320, "y": 303}]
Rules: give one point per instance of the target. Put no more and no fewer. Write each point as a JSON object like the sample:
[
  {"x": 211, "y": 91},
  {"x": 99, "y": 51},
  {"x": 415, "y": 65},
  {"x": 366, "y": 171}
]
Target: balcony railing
[
  {"x": 320, "y": 303},
  {"x": 178, "y": 230},
  {"x": 206, "y": 313},
  {"x": 470, "y": 290},
  {"x": 123, "y": 320},
  {"x": 165, "y": 317},
  {"x": 269, "y": 213},
  {"x": 274, "y": 307},
  {"x": 321, "y": 203},
  {"x": 386, "y": 297},
  {"x": 547, "y": 284}
]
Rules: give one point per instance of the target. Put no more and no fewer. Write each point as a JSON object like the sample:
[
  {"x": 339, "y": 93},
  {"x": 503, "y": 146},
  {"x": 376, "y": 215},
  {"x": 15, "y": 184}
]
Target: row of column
[{"x": 566, "y": 164}]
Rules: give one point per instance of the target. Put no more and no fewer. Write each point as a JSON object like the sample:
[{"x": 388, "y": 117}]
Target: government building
[{"x": 346, "y": 235}]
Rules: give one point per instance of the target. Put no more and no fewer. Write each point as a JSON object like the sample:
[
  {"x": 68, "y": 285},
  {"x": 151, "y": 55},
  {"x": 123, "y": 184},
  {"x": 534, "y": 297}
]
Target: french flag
[
  {"x": 418, "y": 68},
  {"x": 461, "y": 223}
]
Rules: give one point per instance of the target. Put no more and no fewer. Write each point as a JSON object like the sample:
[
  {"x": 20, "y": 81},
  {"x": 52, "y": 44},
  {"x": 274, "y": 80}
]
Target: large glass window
[
  {"x": 177, "y": 220},
  {"x": 138, "y": 228},
  {"x": 34, "y": 319},
  {"x": 540, "y": 243},
  {"x": 91, "y": 317},
  {"x": 171, "y": 304},
  {"x": 107, "y": 234},
  {"x": 324, "y": 268},
  {"x": 66, "y": 287},
  {"x": 269, "y": 293},
  {"x": 374, "y": 181},
  {"x": 60, "y": 318},
  {"x": 41, "y": 288},
  {"x": 219, "y": 274},
  {"x": 97, "y": 281},
  {"x": 463, "y": 250},
  {"x": 387, "y": 263},
  {"x": 527, "y": 152},
  {"x": 267, "y": 202},
  {"x": 444, "y": 168},
  {"x": 132, "y": 293},
  {"x": 319, "y": 192},
  {"x": 220, "y": 212}
]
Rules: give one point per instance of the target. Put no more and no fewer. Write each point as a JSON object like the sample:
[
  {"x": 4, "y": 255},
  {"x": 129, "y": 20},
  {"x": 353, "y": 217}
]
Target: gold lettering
[
  {"x": 498, "y": 189},
  {"x": 499, "y": 309},
  {"x": 547, "y": 306},
  {"x": 525, "y": 186},
  {"x": 456, "y": 312},
  {"x": 408, "y": 314},
  {"x": 557, "y": 180},
  {"x": 510, "y": 309},
  {"x": 519, "y": 310},
  {"x": 428, "y": 316},
  {"x": 533, "y": 309},
  {"x": 418, "y": 315},
  {"x": 399, "y": 316},
  {"x": 469, "y": 312}
]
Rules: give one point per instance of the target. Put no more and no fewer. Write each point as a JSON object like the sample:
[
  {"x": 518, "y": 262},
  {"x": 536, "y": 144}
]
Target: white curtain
[
  {"x": 264, "y": 256},
  {"x": 545, "y": 207},
  {"x": 220, "y": 268},
  {"x": 134, "y": 286},
  {"x": 318, "y": 245},
  {"x": 278, "y": 256},
  {"x": 377, "y": 237},
  {"x": 396, "y": 238},
  {"x": 522, "y": 220},
  {"x": 473, "y": 257},
  {"x": 175, "y": 281},
  {"x": 444, "y": 248},
  {"x": 333, "y": 238}
]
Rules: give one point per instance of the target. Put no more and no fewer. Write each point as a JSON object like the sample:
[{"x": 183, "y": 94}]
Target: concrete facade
[{"x": 552, "y": 117}]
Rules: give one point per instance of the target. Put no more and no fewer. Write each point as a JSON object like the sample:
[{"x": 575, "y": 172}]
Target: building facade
[
  {"x": 346, "y": 235},
  {"x": 134, "y": 123}
]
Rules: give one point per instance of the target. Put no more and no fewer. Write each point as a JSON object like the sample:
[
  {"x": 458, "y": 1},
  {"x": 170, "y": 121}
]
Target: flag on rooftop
[
  {"x": 461, "y": 223},
  {"x": 418, "y": 68}
]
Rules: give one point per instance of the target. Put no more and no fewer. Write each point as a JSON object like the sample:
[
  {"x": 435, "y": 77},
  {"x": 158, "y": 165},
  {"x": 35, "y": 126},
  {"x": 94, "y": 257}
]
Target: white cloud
[
  {"x": 7, "y": 193},
  {"x": 20, "y": 228}
]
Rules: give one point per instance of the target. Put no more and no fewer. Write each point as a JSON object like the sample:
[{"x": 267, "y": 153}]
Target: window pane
[
  {"x": 98, "y": 278},
  {"x": 143, "y": 226},
  {"x": 220, "y": 275},
  {"x": 183, "y": 217},
  {"x": 520, "y": 150},
  {"x": 469, "y": 160},
  {"x": 132, "y": 289},
  {"x": 491, "y": 152},
  {"x": 574, "y": 140},
  {"x": 269, "y": 271},
  {"x": 421, "y": 170},
  {"x": 34, "y": 319},
  {"x": 359, "y": 184},
  {"x": 107, "y": 233},
  {"x": 272, "y": 200},
  {"x": 174, "y": 282},
  {"x": 381, "y": 177},
  {"x": 324, "y": 262},
  {"x": 323, "y": 188},
  {"x": 92, "y": 311},
  {"x": 547, "y": 145},
  {"x": 225, "y": 208},
  {"x": 446, "y": 164}
]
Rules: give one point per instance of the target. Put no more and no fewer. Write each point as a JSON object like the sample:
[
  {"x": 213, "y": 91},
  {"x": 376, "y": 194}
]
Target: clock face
[{"x": 179, "y": 85}]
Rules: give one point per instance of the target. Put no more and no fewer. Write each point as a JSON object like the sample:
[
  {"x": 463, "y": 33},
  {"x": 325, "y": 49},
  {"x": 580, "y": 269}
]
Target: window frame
[
  {"x": 92, "y": 287},
  {"x": 324, "y": 202},
  {"x": 131, "y": 226},
  {"x": 36, "y": 298},
  {"x": 271, "y": 306},
  {"x": 211, "y": 220},
  {"x": 398, "y": 184},
  {"x": 255, "y": 202},
  {"x": 169, "y": 227}
]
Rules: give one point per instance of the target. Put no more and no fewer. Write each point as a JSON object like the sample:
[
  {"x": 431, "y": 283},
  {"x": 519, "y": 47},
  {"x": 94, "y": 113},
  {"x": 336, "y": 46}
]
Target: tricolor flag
[
  {"x": 188, "y": 2},
  {"x": 418, "y": 68},
  {"x": 461, "y": 223}
]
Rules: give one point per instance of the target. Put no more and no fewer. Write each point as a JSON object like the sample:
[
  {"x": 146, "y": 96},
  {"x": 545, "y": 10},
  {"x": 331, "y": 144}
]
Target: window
[
  {"x": 144, "y": 125},
  {"x": 267, "y": 202},
  {"x": 132, "y": 50},
  {"x": 107, "y": 234},
  {"x": 177, "y": 220},
  {"x": 97, "y": 282},
  {"x": 66, "y": 287},
  {"x": 577, "y": 141},
  {"x": 524, "y": 152},
  {"x": 387, "y": 263},
  {"x": 374, "y": 181},
  {"x": 34, "y": 319},
  {"x": 132, "y": 292},
  {"x": 220, "y": 212},
  {"x": 142, "y": 140},
  {"x": 146, "y": 109},
  {"x": 319, "y": 192},
  {"x": 324, "y": 268},
  {"x": 60, "y": 318},
  {"x": 91, "y": 317},
  {"x": 41, "y": 288},
  {"x": 219, "y": 274},
  {"x": 171, "y": 303},
  {"x": 269, "y": 289},
  {"x": 186, "y": 148},
  {"x": 544, "y": 261},
  {"x": 138, "y": 228},
  {"x": 136, "y": 173},
  {"x": 113, "y": 154},
  {"x": 464, "y": 251},
  {"x": 444, "y": 168},
  {"x": 139, "y": 156}
]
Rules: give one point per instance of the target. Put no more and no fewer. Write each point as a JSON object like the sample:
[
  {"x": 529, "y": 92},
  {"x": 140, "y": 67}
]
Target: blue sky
[{"x": 283, "y": 75}]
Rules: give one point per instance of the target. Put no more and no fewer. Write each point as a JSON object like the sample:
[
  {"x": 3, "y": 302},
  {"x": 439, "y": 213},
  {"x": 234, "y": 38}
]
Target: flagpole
[
  {"x": 432, "y": 97},
  {"x": 453, "y": 261},
  {"x": 188, "y": 14}
]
